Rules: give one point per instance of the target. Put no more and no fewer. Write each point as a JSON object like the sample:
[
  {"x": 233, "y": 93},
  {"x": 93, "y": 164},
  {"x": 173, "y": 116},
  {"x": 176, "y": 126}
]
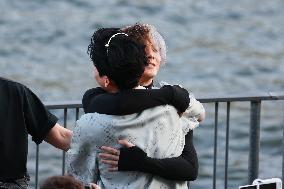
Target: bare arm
[{"x": 59, "y": 137}]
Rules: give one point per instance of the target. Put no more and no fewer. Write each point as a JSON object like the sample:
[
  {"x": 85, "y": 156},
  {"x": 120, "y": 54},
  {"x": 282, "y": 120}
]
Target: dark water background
[{"x": 214, "y": 47}]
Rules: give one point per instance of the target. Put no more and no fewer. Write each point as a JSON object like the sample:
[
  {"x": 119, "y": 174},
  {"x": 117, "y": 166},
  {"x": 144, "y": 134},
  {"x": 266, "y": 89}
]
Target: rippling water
[{"x": 214, "y": 47}]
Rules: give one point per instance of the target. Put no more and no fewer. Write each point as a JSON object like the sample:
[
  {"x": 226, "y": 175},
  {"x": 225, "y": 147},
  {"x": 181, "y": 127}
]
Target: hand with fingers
[
  {"x": 94, "y": 186},
  {"x": 110, "y": 156}
]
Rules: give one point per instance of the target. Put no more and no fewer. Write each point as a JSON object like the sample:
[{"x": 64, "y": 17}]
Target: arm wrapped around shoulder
[{"x": 180, "y": 98}]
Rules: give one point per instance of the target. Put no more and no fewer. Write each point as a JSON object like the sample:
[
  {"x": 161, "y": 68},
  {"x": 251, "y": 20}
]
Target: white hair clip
[{"x": 107, "y": 45}]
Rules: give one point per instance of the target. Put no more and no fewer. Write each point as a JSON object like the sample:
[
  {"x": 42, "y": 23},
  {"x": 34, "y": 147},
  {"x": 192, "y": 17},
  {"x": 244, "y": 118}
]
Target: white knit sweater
[{"x": 157, "y": 131}]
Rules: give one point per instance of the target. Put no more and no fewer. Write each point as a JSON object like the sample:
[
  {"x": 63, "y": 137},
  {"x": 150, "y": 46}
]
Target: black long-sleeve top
[
  {"x": 183, "y": 167},
  {"x": 134, "y": 100}
]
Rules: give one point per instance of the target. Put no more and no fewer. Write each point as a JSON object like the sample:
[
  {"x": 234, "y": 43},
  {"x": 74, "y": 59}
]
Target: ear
[
  {"x": 109, "y": 82},
  {"x": 106, "y": 81}
]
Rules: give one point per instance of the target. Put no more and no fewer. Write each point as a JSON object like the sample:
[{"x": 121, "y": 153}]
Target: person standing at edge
[{"x": 22, "y": 113}]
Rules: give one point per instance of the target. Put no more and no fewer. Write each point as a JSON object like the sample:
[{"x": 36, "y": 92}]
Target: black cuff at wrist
[{"x": 131, "y": 159}]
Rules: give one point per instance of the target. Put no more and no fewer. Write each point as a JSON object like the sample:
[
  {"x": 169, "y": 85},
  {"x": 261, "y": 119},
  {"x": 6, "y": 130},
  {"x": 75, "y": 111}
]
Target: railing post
[
  {"x": 63, "y": 153},
  {"x": 215, "y": 144},
  {"x": 253, "y": 166},
  {"x": 37, "y": 161},
  {"x": 227, "y": 144},
  {"x": 283, "y": 152}
]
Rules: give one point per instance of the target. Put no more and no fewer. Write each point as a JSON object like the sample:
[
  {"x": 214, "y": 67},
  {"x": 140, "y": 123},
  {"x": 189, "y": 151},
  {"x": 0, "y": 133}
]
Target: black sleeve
[
  {"x": 137, "y": 100},
  {"x": 89, "y": 96},
  {"x": 38, "y": 119},
  {"x": 184, "y": 167}
]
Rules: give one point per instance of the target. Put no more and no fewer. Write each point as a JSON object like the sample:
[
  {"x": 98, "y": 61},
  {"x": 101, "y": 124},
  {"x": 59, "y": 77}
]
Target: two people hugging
[{"x": 136, "y": 132}]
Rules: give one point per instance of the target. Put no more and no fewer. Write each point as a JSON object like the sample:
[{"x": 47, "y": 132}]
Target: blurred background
[{"x": 215, "y": 47}]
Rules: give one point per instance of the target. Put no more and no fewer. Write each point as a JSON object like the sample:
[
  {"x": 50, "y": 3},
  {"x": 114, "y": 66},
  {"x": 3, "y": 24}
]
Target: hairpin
[{"x": 107, "y": 45}]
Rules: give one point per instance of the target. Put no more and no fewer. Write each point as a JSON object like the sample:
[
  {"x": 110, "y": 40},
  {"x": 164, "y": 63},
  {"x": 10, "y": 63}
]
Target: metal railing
[{"x": 254, "y": 132}]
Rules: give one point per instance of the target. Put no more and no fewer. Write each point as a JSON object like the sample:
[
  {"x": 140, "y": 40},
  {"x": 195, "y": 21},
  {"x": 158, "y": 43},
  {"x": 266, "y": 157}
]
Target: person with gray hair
[{"x": 183, "y": 167}]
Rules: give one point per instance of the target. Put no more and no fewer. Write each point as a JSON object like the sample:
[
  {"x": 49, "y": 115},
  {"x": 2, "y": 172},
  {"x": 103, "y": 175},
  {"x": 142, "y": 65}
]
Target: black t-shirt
[{"x": 21, "y": 113}]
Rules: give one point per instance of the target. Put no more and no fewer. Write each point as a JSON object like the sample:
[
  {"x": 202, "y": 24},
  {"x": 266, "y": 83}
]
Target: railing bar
[
  {"x": 227, "y": 145},
  {"x": 63, "y": 153},
  {"x": 253, "y": 166},
  {"x": 244, "y": 97},
  {"x": 37, "y": 163},
  {"x": 221, "y": 98},
  {"x": 283, "y": 152},
  {"x": 63, "y": 104},
  {"x": 215, "y": 145}
]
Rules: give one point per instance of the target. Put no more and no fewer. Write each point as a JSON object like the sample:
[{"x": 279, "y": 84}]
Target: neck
[
  {"x": 111, "y": 89},
  {"x": 145, "y": 81}
]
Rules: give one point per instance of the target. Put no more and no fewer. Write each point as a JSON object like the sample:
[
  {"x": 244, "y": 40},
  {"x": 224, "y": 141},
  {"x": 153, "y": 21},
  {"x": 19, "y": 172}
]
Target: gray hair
[
  {"x": 159, "y": 42},
  {"x": 156, "y": 37}
]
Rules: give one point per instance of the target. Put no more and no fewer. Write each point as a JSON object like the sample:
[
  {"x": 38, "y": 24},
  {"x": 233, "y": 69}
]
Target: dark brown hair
[
  {"x": 61, "y": 182},
  {"x": 138, "y": 32}
]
